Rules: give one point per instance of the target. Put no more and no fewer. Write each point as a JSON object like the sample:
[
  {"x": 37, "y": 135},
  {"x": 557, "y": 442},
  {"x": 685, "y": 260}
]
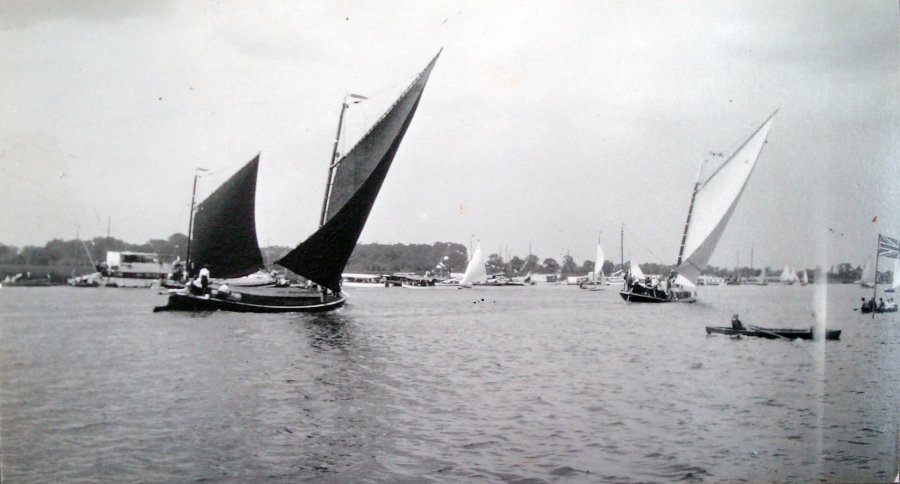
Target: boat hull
[
  {"x": 773, "y": 333},
  {"x": 28, "y": 283},
  {"x": 890, "y": 309},
  {"x": 263, "y": 300},
  {"x": 640, "y": 294}
]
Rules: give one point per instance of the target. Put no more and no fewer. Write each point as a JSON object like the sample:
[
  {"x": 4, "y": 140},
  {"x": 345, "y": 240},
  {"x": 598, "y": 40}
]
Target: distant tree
[
  {"x": 516, "y": 265},
  {"x": 608, "y": 267},
  {"x": 8, "y": 254},
  {"x": 587, "y": 266},
  {"x": 494, "y": 264},
  {"x": 532, "y": 264},
  {"x": 568, "y": 265},
  {"x": 550, "y": 266}
]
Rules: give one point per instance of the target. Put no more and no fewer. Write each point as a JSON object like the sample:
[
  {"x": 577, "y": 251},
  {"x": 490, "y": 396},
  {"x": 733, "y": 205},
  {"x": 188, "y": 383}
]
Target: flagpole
[{"x": 875, "y": 283}]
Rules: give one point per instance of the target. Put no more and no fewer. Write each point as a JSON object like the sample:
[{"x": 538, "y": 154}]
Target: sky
[{"x": 543, "y": 124}]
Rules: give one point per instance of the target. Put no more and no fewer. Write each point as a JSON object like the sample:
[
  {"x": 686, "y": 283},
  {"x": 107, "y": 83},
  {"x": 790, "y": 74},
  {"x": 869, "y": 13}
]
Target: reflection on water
[
  {"x": 326, "y": 330},
  {"x": 542, "y": 384}
]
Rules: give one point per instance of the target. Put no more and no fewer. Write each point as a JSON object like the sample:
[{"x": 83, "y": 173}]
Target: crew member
[
  {"x": 200, "y": 285},
  {"x": 736, "y": 322}
]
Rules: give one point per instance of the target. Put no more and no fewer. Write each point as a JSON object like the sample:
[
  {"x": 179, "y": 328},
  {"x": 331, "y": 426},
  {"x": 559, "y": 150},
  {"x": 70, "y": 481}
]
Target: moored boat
[
  {"x": 773, "y": 333},
  {"x": 25, "y": 280}
]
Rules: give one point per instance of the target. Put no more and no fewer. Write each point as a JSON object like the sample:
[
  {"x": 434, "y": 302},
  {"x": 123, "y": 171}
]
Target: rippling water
[{"x": 529, "y": 384}]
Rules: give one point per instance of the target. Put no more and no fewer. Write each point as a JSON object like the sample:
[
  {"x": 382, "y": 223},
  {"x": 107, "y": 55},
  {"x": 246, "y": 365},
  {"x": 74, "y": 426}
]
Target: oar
[{"x": 757, "y": 328}]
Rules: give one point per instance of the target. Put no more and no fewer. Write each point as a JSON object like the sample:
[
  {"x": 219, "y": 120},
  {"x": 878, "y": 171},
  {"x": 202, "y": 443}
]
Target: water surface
[{"x": 539, "y": 383}]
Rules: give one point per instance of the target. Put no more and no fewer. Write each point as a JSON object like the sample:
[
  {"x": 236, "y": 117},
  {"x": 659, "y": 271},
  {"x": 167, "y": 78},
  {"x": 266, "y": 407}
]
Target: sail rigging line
[
  {"x": 373, "y": 126},
  {"x": 735, "y": 152},
  {"x": 323, "y": 255},
  {"x": 710, "y": 213}
]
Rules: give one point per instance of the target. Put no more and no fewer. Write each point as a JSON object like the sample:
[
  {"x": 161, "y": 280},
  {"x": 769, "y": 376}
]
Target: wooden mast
[
  {"x": 187, "y": 262},
  {"x": 332, "y": 165},
  {"x": 875, "y": 281}
]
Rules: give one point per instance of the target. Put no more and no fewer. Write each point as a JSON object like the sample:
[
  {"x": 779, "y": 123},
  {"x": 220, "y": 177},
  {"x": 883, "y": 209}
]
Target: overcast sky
[{"x": 543, "y": 122}]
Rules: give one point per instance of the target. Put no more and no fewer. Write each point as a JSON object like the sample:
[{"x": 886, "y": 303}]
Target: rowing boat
[{"x": 773, "y": 333}]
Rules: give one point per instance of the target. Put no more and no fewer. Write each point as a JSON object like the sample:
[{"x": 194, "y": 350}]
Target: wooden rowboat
[{"x": 773, "y": 333}]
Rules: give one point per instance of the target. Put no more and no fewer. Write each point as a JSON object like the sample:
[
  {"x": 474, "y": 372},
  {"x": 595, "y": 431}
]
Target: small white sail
[
  {"x": 805, "y": 279},
  {"x": 896, "y": 282},
  {"x": 475, "y": 271},
  {"x": 598, "y": 266},
  {"x": 718, "y": 189},
  {"x": 636, "y": 271},
  {"x": 787, "y": 275},
  {"x": 868, "y": 274}
]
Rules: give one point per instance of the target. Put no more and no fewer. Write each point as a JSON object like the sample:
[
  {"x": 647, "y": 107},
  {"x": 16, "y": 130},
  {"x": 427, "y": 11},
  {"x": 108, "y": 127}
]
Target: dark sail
[
  {"x": 358, "y": 178},
  {"x": 224, "y": 234}
]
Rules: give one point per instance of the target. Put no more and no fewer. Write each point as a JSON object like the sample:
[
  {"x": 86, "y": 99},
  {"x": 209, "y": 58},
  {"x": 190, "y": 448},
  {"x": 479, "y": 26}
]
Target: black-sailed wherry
[{"x": 354, "y": 181}]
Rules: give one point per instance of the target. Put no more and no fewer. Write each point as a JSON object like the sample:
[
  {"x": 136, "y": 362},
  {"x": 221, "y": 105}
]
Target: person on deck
[
  {"x": 736, "y": 323},
  {"x": 200, "y": 285},
  {"x": 880, "y": 303}
]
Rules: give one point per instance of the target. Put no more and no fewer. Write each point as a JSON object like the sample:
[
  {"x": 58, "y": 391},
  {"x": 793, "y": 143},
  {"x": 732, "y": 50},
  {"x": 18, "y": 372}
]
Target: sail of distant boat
[
  {"x": 715, "y": 197},
  {"x": 599, "y": 278},
  {"x": 868, "y": 274},
  {"x": 223, "y": 237},
  {"x": 351, "y": 192},
  {"x": 475, "y": 271},
  {"x": 805, "y": 279},
  {"x": 895, "y": 283},
  {"x": 787, "y": 275},
  {"x": 636, "y": 271}
]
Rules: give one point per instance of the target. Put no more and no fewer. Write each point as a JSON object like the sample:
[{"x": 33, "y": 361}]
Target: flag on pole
[{"x": 888, "y": 247}]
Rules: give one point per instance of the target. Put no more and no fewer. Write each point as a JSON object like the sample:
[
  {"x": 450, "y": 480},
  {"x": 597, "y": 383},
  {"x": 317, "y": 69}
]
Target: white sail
[
  {"x": 636, "y": 271},
  {"x": 475, "y": 271},
  {"x": 805, "y": 279},
  {"x": 896, "y": 282},
  {"x": 787, "y": 275},
  {"x": 868, "y": 274},
  {"x": 598, "y": 266},
  {"x": 716, "y": 195}
]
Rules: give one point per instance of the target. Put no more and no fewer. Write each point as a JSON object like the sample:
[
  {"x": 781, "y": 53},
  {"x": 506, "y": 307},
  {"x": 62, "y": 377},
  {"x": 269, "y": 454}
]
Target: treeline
[
  {"x": 439, "y": 257},
  {"x": 74, "y": 253}
]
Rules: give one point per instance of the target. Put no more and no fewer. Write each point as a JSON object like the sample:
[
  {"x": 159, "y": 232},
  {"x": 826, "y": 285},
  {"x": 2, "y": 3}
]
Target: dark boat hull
[
  {"x": 773, "y": 333},
  {"x": 892, "y": 309},
  {"x": 262, "y": 300},
  {"x": 641, "y": 294}
]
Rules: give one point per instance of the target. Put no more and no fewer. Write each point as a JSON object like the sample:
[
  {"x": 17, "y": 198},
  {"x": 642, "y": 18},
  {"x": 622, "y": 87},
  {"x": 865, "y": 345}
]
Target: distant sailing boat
[
  {"x": 788, "y": 276},
  {"x": 895, "y": 282},
  {"x": 867, "y": 279},
  {"x": 714, "y": 199},
  {"x": 475, "y": 271},
  {"x": 805, "y": 279},
  {"x": 598, "y": 280},
  {"x": 228, "y": 226}
]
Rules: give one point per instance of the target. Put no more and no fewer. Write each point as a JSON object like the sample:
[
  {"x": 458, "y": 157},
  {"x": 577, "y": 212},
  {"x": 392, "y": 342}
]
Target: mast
[
  {"x": 332, "y": 165},
  {"x": 622, "y": 247},
  {"x": 875, "y": 280},
  {"x": 687, "y": 223},
  {"x": 187, "y": 262}
]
